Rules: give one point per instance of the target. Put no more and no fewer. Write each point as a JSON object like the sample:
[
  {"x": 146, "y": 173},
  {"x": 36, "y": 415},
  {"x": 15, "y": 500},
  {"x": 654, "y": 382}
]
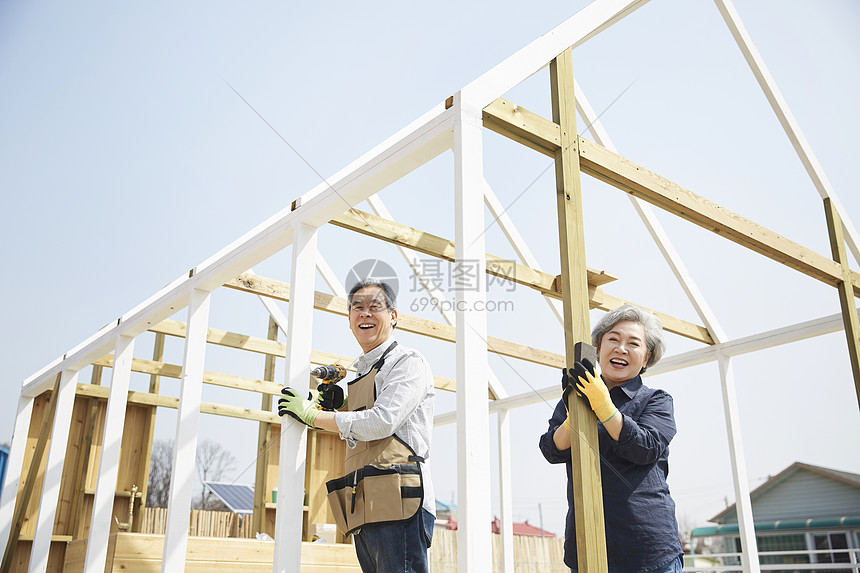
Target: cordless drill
[{"x": 332, "y": 394}]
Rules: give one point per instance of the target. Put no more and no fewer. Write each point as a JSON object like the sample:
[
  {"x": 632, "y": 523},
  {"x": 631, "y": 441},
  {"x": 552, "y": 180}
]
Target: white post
[
  {"x": 473, "y": 434},
  {"x": 746, "y": 524},
  {"x": 291, "y": 472},
  {"x": 14, "y": 465},
  {"x": 505, "y": 493},
  {"x": 53, "y": 472},
  {"x": 109, "y": 464},
  {"x": 185, "y": 442},
  {"x": 786, "y": 119}
]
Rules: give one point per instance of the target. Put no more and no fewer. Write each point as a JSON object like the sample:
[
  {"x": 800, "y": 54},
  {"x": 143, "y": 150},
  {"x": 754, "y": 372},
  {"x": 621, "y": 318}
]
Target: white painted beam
[
  {"x": 746, "y": 526},
  {"x": 329, "y": 277},
  {"x": 53, "y": 472},
  {"x": 747, "y": 344},
  {"x": 506, "y": 492},
  {"x": 100, "y": 523},
  {"x": 786, "y": 119},
  {"x": 430, "y": 287},
  {"x": 761, "y": 341},
  {"x": 293, "y": 439},
  {"x": 577, "y": 29},
  {"x": 14, "y": 466},
  {"x": 655, "y": 229},
  {"x": 516, "y": 240},
  {"x": 408, "y": 149},
  {"x": 473, "y": 440},
  {"x": 185, "y": 441}
]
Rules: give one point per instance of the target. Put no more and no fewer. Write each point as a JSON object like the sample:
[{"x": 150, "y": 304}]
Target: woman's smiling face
[{"x": 622, "y": 353}]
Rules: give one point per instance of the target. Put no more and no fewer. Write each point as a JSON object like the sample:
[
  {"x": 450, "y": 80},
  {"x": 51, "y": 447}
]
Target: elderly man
[{"x": 386, "y": 498}]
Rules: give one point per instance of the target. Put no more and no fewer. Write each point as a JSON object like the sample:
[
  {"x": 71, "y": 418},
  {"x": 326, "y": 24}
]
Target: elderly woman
[{"x": 635, "y": 425}]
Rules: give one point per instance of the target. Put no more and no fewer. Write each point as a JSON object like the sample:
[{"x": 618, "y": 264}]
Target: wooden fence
[
  {"x": 531, "y": 554},
  {"x": 203, "y": 523}
]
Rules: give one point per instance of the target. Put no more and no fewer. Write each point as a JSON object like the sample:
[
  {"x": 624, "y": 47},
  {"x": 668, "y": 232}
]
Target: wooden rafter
[
  {"x": 545, "y": 283},
  {"x": 846, "y": 296},
  {"x": 539, "y": 133},
  {"x": 270, "y": 348},
  {"x": 336, "y": 305}
]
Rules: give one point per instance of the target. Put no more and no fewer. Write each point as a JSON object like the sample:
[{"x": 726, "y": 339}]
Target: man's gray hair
[
  {"x": 650, "y": 323},
  {"x": 387, "y": 291}
]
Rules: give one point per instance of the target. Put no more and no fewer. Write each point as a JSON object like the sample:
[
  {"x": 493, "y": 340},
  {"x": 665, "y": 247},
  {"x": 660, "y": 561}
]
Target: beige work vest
[{"x": 383, "y": 482}]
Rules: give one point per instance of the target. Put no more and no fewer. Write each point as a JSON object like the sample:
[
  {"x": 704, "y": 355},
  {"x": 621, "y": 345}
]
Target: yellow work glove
[{"x": 593, "y": 387}]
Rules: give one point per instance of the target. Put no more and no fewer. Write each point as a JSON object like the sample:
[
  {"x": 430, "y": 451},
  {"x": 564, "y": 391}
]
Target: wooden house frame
[{"x": 457, "y": 125}]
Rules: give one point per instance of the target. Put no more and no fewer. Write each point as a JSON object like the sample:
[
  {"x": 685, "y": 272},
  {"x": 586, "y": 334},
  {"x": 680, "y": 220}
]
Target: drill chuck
[{"x": 329, "y": 372}]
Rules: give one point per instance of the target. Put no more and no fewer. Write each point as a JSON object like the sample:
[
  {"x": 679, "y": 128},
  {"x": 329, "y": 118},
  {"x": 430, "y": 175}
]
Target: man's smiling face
[{"x": 370, "y": 320}]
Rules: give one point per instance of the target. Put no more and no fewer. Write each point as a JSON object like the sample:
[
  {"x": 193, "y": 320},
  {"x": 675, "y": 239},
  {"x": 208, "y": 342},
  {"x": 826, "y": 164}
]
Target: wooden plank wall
[
  {"x": 131, "y": 472},
  {"x": 139, "y": 553}
]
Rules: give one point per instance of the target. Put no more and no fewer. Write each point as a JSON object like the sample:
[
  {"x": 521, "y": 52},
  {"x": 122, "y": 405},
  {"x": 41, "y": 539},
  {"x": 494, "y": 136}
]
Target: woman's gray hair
[
  {"x": 387, "y": 291},
  {"x": 650, "y": 323}
]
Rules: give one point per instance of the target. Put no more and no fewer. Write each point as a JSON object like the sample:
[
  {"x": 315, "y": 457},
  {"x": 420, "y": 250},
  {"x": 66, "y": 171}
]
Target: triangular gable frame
[{"x": 456, "y": 125}]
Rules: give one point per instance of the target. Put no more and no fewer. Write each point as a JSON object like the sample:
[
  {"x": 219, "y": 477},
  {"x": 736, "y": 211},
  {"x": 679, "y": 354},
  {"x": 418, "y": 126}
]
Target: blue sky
[{"x": 127, "y": 159}]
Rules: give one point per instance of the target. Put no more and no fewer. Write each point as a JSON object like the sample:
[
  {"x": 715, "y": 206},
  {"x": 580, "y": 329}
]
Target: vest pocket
[{"x": 375, "y": 494}]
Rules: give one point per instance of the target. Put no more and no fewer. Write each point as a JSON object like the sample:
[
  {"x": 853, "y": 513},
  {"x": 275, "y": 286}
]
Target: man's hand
[
  {"x": 331, "y": 397},
  {"x": 593, "y": 387},
  {"x": 299, "y": 408}
]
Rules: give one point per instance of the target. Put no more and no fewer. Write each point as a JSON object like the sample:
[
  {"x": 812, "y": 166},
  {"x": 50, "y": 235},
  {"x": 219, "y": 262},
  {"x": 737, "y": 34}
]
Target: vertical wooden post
[
  {"x": 585, "y": 459},
  {"x": 261, "y": 485},
  {"x": 149, "y": 428},
  {"x": 846, "y": 292},
  {"x": 83, "y": 461}
]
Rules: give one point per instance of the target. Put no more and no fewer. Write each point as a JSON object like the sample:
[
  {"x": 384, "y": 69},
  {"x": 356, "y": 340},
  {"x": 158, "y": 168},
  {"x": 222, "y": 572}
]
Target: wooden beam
[
  {"x": 149, "y": 428},
  {"x": 261, "y": 488},
  {"x": 587, "y": 492},
  {"x": 224, "y": 338},
  {"x": 526, "y": 127},
  {"x": 607, "y": 302},
  {"x": 147, "y": 399},
  {"x": 405, "y": 236},
  {"x": 634, "y": 179},
  {"x": 23, "y": 498},
  {"x": 549, "y": 285},
  {"x": 281, "y": 291},
  {"x": 846, "y": 295},
  {"x": 83, "y": 460},
  {"x": 254, "y": 344}
]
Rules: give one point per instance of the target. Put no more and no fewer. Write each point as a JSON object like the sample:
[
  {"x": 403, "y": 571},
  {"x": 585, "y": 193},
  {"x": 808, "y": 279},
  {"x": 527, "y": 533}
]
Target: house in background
[
  {"x": 804, "y": 508},
  {"x": 524, "y": 528}
]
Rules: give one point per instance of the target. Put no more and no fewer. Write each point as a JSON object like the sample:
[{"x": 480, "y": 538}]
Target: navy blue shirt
[{"x": 639, "y": 513}]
